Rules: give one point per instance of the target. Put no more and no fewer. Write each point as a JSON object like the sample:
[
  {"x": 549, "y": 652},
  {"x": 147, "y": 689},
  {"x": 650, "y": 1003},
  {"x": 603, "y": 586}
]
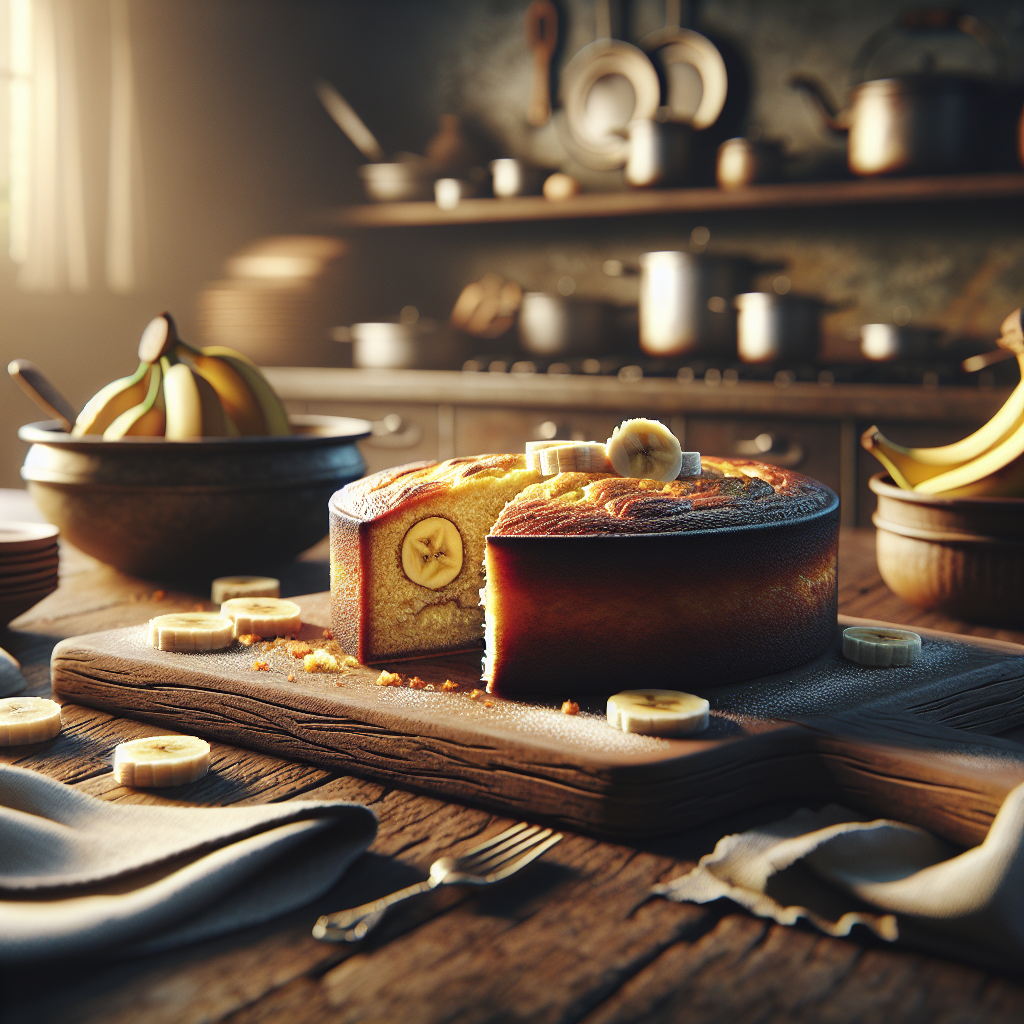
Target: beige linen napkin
[
  {"x": 836, "y": 869},
  {"x": 85, "y": 876}
]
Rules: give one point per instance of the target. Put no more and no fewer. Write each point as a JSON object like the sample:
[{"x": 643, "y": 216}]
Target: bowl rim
[
  {"x": 318, "y": 431},
  {"x": 883, "y": 485}
]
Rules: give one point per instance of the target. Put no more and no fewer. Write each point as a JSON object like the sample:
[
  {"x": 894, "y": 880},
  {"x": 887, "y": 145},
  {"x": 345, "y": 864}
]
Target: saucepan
[
  {"x": 923, "y": 123},
  {"x": 777, "y": 328},
  {"x": 555, "y": 325},
  {"x": 421, "y": 345},
  {"x": 686, "y": 302}
]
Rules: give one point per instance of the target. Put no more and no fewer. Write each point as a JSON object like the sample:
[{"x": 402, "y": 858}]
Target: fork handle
[{"x": 354, "y": 924}]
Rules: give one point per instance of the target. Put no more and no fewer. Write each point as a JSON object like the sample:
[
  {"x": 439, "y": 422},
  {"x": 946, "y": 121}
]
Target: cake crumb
[
  {"x": 158, "y": 595},
  {"x": 570, "y": 707},
  {"x": 298, "y": 649},
  {"x": 415, "y": 683},
  {"x": 248, "y": 639},
  {"x": 291, "y": 677},
  {"x": 477, "y": 694},
  {"x": 387, "y": 678},
  {"x": 448, "y": 686},
  {"x": 488, "y": 703},
  {"x": 261, "y": 666},
  {"x": 320, "y": 661},
  {"x": 328, "y": 635}
]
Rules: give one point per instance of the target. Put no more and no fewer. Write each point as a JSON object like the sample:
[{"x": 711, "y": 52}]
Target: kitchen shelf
[{"x": 864, "y": 191}]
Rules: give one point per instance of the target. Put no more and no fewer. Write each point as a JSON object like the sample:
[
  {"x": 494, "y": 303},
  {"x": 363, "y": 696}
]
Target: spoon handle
[{"x": 33, "y": 382}]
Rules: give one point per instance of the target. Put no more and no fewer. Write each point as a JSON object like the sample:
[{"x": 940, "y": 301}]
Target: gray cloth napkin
[
  {"x": 836, "y": 869},
  {"x": 81, "y": 875}
]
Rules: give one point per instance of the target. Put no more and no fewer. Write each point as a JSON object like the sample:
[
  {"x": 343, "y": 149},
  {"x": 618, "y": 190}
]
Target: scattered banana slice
[
  {"x": 432, "y": 552},
  {"x": 264, "y": 616},
  {"x": 574, "y": 457},
  {"x": 188, "y": 632},
  {"x": 161, "y": 761},
  {"x": 870, "y": 645},
  {"x": 224, "y": 588},
  {"x": 645, "y": 448},
  {"x": 28, "y": 720},
  {"x": 658, "y": 712}
]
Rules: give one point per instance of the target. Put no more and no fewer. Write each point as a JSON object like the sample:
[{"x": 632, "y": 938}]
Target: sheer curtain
[{"x": 50, "y": 191}]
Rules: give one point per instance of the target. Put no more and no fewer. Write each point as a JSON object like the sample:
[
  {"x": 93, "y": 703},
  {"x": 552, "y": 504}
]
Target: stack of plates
[{"x": 28, "y": 566}]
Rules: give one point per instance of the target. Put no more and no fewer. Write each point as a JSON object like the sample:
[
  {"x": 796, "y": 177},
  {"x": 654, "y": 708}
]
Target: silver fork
[{"x": 485, "y": 864}]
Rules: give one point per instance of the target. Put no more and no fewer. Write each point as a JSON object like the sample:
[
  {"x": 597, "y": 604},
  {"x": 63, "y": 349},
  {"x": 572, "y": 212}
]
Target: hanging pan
[{"x": 605, "y": 86}]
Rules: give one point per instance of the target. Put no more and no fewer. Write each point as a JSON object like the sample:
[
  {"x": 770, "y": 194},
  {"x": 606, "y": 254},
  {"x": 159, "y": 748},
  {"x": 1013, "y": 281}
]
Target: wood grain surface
[
  {"x": 879, "y": 752},
  {"x": 574, "y": 939}
]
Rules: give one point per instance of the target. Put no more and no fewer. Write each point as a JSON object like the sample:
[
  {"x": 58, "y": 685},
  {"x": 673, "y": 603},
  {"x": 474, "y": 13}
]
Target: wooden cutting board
[{"x": 912, "y": 743}]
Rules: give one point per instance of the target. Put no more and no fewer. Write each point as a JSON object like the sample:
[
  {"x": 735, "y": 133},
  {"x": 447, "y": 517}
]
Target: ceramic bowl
[
  {"x": 193, "y": 509},
  {"x": 962, "y": 556}
]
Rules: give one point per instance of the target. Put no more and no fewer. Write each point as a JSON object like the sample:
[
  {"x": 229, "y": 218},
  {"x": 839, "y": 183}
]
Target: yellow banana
[
  {"x": 911, "y": 468},
  {"x": 274, "y": 414},
  {"x": 235, "y": 394},
  {"x": 998, "y": 473},
  {"x": 145, "y": 419},
  {"x": 192, "y": 406},
  {"x": 111, "y": 401}
]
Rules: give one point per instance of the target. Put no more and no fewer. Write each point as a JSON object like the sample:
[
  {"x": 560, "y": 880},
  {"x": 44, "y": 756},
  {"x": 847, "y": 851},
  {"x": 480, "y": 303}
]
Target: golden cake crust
[
  {"x": 385, "y": 492},
  {"x": 729, "y": 493}
]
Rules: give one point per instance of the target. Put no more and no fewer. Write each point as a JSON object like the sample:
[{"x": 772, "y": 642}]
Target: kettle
[{"x": 925, "y": 123}]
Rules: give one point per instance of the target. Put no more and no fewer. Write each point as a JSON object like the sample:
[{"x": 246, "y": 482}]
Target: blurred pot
[
  {"x": 397, "y": 182},
  {"x": 685, "y": 302},
  {"x": 660, "y": 153},
  {"x": 423, "y": 345},
  {"x": 511, "y": 177},
  {"x": 552, "y": 325},
  {"x": 742, "y": 162},
  {"x": 925, "y": 123},
  {"x": 777, "y": 328},
  {"x": 889, "y": 341}
]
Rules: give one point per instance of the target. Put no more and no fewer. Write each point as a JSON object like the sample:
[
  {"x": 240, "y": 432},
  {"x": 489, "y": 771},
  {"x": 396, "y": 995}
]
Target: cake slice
[{"x": 407, "y": 554}]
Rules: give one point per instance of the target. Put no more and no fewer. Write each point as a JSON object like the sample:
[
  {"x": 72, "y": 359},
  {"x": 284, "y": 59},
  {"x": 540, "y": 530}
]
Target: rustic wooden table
[{"x": 573, "y": 939}]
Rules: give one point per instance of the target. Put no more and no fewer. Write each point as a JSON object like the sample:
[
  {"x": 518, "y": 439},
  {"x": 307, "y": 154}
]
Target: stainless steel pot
[
  {"x": 686, "y": 303},
  {"x": 881, "y": 342},
  {"x": 553, "y": 325},
  {"x": 777, "y": 328},
  {"x": 410, "y": 346},
  {"x": 660, "y": 153},
  {"x": 915, "y": 124}
]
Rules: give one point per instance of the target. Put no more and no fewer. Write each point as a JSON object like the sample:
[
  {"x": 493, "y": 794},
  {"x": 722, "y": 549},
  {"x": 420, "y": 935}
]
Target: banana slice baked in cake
[
  {"x": 407, "y": 554},
  {"x": 592, "y": 582}
]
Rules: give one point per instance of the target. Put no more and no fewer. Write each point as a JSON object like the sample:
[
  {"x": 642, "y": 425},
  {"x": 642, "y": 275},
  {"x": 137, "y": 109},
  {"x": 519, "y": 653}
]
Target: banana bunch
[
  {"x": 181, "y": 392},
  {"x": 989, "y": 462}
]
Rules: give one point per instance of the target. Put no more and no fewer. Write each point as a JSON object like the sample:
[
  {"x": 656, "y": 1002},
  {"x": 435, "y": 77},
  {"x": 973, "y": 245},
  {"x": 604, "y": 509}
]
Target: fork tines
[{"x": 527, "y": 842}]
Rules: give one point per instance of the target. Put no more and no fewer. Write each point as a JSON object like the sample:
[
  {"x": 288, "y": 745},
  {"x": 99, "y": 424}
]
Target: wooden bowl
[
  {"x": 963, "y": 556},
  {"x": 193, "y": 509}
]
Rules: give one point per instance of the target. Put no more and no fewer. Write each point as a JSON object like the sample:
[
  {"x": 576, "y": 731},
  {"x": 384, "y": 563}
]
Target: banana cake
[{"x": 591, "y": 582}]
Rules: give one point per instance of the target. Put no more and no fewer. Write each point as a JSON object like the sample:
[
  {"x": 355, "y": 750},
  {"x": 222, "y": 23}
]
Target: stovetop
[{"x": 629, "y": 368}]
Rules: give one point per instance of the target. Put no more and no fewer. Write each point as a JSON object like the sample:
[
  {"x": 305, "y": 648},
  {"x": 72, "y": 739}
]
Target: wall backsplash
[{"x": 235, "y": 147}]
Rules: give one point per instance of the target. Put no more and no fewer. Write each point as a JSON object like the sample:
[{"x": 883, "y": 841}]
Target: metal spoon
[{"x": 33, "y": 382}]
